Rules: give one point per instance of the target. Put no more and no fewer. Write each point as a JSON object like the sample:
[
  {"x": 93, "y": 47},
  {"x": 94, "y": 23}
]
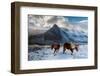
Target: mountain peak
[
  {"x": 55, "y": 25},
  {"x": 55, "y": 28}
]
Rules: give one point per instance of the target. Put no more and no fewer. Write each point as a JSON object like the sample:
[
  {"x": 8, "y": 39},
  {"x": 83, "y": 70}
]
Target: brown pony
[
  {"x": 70, "y": 47},
  {"x": 56, "y": 47}
]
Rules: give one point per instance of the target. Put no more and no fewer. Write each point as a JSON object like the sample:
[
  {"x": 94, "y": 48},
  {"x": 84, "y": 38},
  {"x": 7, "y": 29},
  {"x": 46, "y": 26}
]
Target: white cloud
[{"x": 44, "y": 22}]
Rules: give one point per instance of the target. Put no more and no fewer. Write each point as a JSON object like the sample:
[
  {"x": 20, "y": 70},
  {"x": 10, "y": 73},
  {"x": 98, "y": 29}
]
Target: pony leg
[
  {"x": 71, "y": 51},
  {"x": 54, "y": 51},
  {"x": 64, "y": 51},
  {"x": 76, "y": 49}
]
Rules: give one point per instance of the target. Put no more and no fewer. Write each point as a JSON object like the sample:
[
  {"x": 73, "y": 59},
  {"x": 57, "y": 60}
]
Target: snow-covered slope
[
  {"x": 75, "y": 36},
  {"x": 45, "y": 53}
]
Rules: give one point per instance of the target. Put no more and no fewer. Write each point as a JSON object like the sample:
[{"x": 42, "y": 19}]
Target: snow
[{"x": 45, "y": 53}]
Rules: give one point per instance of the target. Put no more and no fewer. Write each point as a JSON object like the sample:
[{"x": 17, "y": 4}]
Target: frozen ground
[{"x": 45, "y": 53}]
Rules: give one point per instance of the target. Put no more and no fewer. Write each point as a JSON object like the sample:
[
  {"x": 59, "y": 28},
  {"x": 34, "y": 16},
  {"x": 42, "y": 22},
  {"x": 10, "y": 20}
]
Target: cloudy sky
[{"x": 69, "y": 22}]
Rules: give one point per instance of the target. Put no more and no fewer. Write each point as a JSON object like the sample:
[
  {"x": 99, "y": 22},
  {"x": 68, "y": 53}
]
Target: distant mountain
[
  {"x": 75, "y": 36},
  {"x": 59, "y": 35}
]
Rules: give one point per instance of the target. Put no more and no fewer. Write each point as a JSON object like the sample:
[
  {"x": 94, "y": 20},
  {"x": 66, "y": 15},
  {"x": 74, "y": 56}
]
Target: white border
[{"x": 25, "y": 64}]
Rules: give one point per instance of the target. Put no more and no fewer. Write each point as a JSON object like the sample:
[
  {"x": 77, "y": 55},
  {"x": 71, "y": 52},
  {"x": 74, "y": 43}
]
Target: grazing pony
[
  {"x": 70, "y": 47},
  {"x": 56, "y": 47}
]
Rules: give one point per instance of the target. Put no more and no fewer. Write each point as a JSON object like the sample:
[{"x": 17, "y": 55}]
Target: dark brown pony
[
  {"x": 70, "y": 47},
  {"x": 56, "y": 47}
]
